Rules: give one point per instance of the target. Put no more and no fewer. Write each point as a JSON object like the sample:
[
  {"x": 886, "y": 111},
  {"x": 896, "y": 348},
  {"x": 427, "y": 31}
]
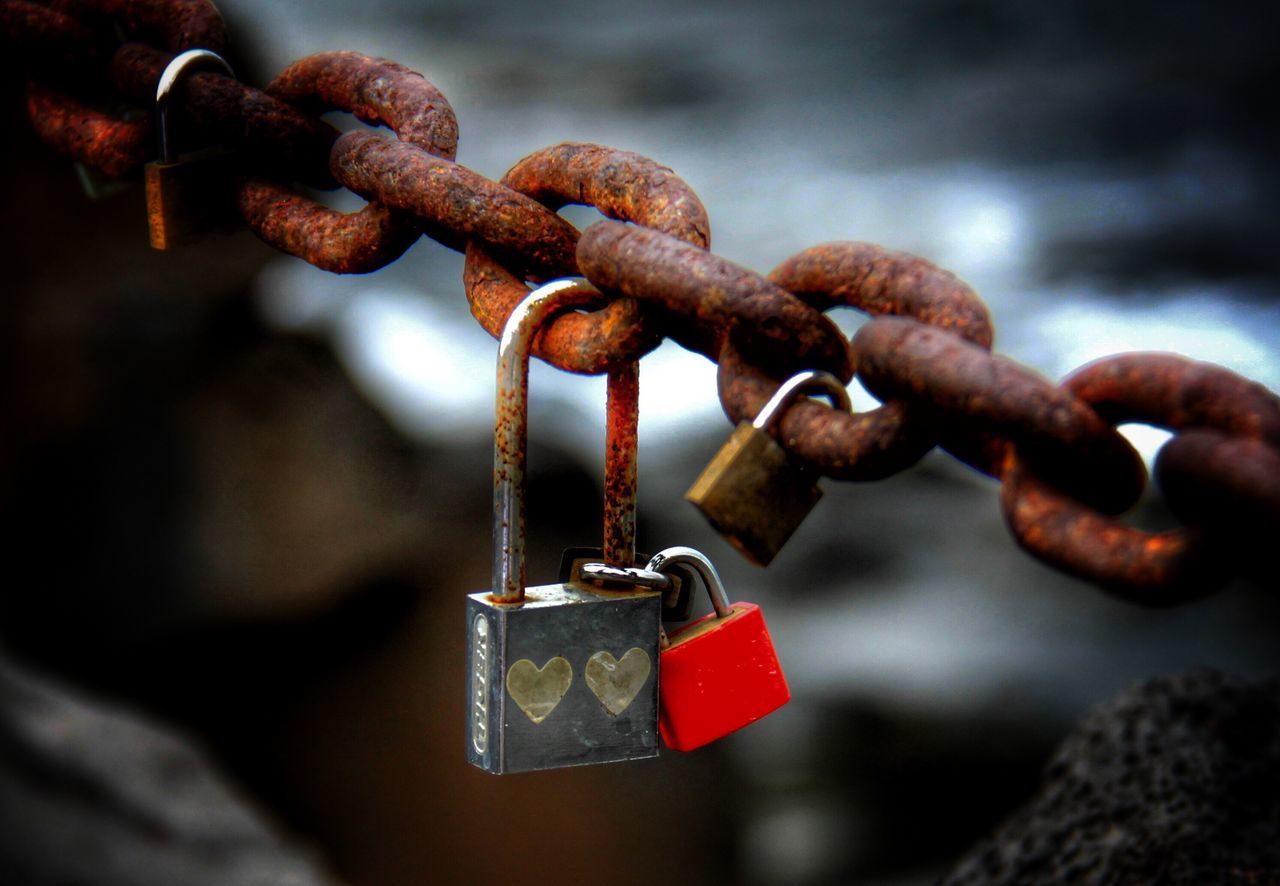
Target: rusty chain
[{"x": 1065, "y": 471}]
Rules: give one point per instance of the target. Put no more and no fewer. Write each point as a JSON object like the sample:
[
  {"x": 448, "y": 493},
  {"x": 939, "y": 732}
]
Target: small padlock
[
  {"x": 191, "y": 194},
  {"x": 719, "y": 673},
  {"x": 563, "y": 674},
  {"x": 752, "y": 492}
]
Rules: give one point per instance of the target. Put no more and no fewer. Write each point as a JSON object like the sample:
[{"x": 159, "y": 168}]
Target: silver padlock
[{"x": 563, "y": 674}]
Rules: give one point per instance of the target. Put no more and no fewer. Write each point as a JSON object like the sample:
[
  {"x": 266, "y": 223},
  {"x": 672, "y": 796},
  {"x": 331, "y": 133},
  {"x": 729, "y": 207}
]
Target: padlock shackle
[
  {"x": 698, "y": 562},
  {"x": 511, "y": 427},
  {"x": 809, "y": 380},
  {"x": 183, "y": 63}
]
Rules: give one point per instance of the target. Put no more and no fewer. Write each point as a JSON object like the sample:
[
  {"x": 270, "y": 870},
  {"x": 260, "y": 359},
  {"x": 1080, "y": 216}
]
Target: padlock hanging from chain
[
  {"x": 562, "y": 674},
  {"x": 188, "y": 194},
  {"x": 752, "y": 492}
]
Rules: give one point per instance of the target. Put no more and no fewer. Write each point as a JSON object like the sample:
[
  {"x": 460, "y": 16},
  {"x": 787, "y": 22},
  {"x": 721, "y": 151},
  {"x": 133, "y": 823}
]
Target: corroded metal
[
  {"x": 1230, "y": 485},
  {"x": 621, "y": 453},
  {"x": 1148, "y": 568},
  {"x": 340, "y": 242},
  {"x": 961, "y": 383},
  {"x": 180, "y": 24},
  {"x": 105, "y": 142},
  {"x": 36, "y": 31},
  {"x": 621, "y": 185},
  {"x": 112, "y": 145},
  {"x": 1051, "y": 445},
  {"x": 376, "y": 91},
  {"x": 449, "y": 197},
  {"x": 775, "y": 328},
  {"x": 884, "y": 282},
  {"x": 882, "y": 441},
  {"x": 271, "y": 133},
  {"x": 1175, "y": 393}
]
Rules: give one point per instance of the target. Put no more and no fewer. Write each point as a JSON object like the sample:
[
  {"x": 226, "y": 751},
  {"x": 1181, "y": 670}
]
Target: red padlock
[{"x": 719, "y": 673}]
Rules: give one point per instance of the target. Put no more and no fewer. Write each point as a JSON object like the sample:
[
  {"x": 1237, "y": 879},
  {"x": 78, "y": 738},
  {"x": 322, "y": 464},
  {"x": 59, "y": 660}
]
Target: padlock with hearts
[
  {"x": 719, "y": 673},
  {"x": 563, "y": 674}
]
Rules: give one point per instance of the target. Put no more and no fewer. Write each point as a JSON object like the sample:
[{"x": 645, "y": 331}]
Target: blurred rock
[
  {"x": 90, "y": 794},
  {"x": 1176, "y": 781}
]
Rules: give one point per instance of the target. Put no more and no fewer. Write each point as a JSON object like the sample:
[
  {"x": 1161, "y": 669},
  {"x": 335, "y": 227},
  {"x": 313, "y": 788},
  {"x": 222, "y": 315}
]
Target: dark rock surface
[
  {"x": 90, "y": 794},
  {"x": 1176, "y": 781}
]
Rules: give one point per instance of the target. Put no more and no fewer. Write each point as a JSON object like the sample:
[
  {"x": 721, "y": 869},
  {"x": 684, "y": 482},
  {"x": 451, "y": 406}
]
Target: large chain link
[{"x": 1065, "y": 471}]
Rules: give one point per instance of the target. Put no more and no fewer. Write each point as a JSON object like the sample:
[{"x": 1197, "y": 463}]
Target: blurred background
[{"x": 243, "y": 499}]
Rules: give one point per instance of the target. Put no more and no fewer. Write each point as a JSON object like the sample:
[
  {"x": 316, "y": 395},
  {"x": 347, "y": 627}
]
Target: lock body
[
  {"x": 567, "y": 677},
  {"x": 190, "y": 197},
  {"x": 753, "y": 494},
  {"x": 719, "y": 673}
]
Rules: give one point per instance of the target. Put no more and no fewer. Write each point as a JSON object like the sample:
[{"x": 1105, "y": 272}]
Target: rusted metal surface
[
  {"x": 447, "y": 196},
  {"x": 620, "y": 465},
  {"x": 883, "y": 441},
  {"x": 1171, "y": 392},
  {"x": 107, "y": 143},
  {"x": 884, "y": 282},
  {"x": 1175, "y": 392},
  {"x": 272, "y": 134},
  {"x": 377, "y": 91},
  {"x": 925, "y": 354},
  {"x": 849, "y": 446},
  {"x": 777, "y": 330},
  {"x": 620, "y": 184},
  {"x": 1230, "y": 485},
  {"x": 961, "y": 383},
  {"x": 114, "y": 146},
  {"x": 180, "y": 24},
  {"x": 1150, "y": 569},
  {"x": 340, "y": 242},
  {"x": 33, "y": 30}
]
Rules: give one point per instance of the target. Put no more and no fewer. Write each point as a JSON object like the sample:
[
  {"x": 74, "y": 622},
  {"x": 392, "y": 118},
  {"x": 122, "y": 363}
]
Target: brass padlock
[
  {"x": 752, "y": 492},
  {"x": 188, "y": 195},
  {"x": 563, "y": 674}
]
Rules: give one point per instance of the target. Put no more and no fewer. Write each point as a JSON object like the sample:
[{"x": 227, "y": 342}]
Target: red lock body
[{"x": 720, "y": 673}]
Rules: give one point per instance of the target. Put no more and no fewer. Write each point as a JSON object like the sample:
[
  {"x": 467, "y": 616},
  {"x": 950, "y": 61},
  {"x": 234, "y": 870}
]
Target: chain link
[{"x": 1065, "y": 472}]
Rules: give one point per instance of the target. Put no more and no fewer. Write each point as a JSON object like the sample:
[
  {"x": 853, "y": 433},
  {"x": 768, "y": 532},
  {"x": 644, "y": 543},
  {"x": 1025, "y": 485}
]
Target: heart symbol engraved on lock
[
  {"x": 538, "y": 690},
  {"x": 616, "y": 682}
]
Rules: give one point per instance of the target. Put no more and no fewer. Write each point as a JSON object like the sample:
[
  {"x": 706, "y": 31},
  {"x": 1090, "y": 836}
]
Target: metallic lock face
[
  {"x": 719, "y": 673},
  {"x": 563, "y": 674},
  {"x": 751, "y": 492},
  {"x": 188, "y": 195}
]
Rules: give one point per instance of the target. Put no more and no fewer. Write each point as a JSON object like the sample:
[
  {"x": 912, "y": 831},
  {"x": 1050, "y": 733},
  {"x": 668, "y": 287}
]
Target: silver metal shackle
[
  {"x": 810, "y": 379},
  {"x": 183, "y": 63},
  {"x": 511, "y": 427},
  {"x": 698, "y": 562}
]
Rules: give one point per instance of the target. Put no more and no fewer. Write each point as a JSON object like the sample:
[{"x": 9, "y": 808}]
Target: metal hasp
[
  {"x": 563, "y": 674},
  {"x": 752, "y": 492},
  {"x": 188, "y": 195},
  {"x": 719, "y": 673}
]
